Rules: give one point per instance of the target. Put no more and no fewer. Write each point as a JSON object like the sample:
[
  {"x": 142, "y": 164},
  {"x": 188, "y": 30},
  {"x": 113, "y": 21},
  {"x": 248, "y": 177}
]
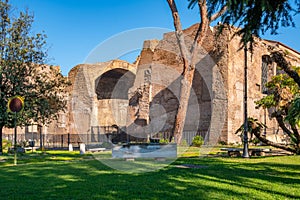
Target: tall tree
[
  {"x": 188, "y": 58},
  {"x": 48, "y": 98},
  {"x": 23, "y": 72}
]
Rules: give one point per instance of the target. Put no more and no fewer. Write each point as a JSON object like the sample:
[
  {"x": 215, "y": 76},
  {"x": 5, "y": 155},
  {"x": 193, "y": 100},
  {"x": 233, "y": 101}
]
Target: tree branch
[
  {"x": 218, "y": 14},
  {"x": 204, "y": 20},
  {"x": 297, "y": 135},
  {"x": 280, "y": 122},
  {"x": 281, "y": 61},
  {"x": 179, "y": 34},
  {"x": 268, "y": 142},
  {"x": 202, "y": 29},
  {"x": 186, "y": 73}
]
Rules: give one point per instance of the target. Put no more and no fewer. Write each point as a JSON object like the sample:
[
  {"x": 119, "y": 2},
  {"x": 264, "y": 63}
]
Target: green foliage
[
  {"x": 284, "y": 97},
  {"x": 48, "y": 99},
  {"x": 293, "y": 116},
  {"x": 283, "y": 81},
  {"x": 255, "y": 17},
  {"x": 197, "y": 141},
  {"x": 23, "y": 72},
  {"x": 281, "y": 90},
  {"x": 255, "y": 141},
  {"x": 163, "y": 141},
  {"x": 266, "y": 102},
  {"x": 283, "y": 101},
  {"x": 183, "y": 143},
  {"x": 222, "y": 142},
  {"x": 6, "y": 144},
  {"x": 254, "y": 126}
]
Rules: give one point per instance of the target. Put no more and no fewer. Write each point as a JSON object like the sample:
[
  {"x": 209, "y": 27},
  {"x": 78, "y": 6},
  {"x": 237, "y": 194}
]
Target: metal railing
[{"x": 63, "y": 140}]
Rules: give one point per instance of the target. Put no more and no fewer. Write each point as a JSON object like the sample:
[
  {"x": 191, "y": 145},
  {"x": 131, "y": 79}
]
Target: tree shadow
[{"x": 90, "y": 179}]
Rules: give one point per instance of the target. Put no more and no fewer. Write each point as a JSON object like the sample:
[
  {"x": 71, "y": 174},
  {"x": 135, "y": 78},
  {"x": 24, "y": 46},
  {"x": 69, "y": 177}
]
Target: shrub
[
  {"x": 163, "y": 141},
  {"x": 198, "y": 141},
  {"x": 183, "y": 143},
  {"x": 107, "y": 145},
  {"x": 6, "y": 144},
  {"x": 22, "y": 143},
  {"x": 255, "y": 141},
  {"x": 222, "y": 142}
]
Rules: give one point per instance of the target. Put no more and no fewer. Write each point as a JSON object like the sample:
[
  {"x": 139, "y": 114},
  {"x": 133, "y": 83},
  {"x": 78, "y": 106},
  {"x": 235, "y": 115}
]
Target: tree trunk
[
  {"x": 268, "y": 142},
  {"x": 188, "y": 63},
  {"x": 280, "y": 121},
  {"x": 282, "y": 63},
  {"x": 41, "y": 136},
  {"x": 185, "y": 90},
  {"x": 295, "y": 132},
  {"x": 184, "y": 84}
]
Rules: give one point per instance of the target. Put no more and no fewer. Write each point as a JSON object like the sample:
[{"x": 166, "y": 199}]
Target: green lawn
[{"x": 64, "y": 175}]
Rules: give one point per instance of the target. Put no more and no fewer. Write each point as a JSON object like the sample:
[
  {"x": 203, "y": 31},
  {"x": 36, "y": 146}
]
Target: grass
[{"x": 68, "y": 175}]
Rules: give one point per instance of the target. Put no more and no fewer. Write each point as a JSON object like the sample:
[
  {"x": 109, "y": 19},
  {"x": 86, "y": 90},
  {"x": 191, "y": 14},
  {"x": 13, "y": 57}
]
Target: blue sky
[{"x": 76, "y": 27}]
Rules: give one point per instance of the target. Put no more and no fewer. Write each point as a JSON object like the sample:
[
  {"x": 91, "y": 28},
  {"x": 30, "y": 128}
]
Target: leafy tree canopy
[
  {"x": 254, "y": 17},
  {"x": 283, "y": 101},
  {"x": 23, "y": 72}
]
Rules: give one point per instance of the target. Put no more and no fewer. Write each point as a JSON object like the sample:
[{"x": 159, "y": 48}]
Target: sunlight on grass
[{"x": 69, "y": 175}]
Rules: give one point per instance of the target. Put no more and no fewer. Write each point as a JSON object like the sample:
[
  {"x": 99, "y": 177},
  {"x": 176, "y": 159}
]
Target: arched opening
[
  {"x": 112, "y": 94},
  {"x": 114, "y": 84}
]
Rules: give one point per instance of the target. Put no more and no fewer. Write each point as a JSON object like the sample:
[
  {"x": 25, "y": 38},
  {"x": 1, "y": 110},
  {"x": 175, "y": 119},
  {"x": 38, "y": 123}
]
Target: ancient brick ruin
[{"x": 142, "y": 98}]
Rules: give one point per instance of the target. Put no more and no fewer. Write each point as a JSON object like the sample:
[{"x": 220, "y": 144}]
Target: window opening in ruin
[{"x": 266, "y": 62}]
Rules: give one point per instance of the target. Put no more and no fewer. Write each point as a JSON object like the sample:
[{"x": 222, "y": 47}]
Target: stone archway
[
  {"x": 111, "y": 89},
  {"x": 94, "y": 83},
  {"x": 114, "y": 84}
]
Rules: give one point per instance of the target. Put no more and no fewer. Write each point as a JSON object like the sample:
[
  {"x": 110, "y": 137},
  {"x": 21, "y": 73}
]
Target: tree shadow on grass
[{"x": 90, "y": 179}]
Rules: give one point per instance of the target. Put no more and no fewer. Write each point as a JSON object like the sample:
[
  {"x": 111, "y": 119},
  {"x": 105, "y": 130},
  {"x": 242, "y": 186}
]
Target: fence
[
  {"x": 187, "y": 136},
  {"x": 63, "y": 140},
  {"x": 46, "y": 140}
]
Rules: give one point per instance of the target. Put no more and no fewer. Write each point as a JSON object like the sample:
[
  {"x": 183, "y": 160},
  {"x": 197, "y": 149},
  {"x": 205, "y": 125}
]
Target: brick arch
[{"x": 114, "y": 84}]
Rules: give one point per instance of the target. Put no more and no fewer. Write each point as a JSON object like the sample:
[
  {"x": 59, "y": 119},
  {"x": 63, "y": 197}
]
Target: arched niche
[{"x": 114, "y": 84}]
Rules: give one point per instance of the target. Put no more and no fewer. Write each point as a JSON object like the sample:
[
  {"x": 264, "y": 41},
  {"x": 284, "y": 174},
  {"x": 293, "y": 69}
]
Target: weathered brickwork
[
  {"x": 144, "y": 96},
  {"x": 216, "y": 104}
]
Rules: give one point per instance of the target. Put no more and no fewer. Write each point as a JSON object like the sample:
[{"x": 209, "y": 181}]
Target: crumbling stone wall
[
  {"x": 235, "y": 69},
  {"x": 216, "y": 101},
  {"x": 216, "y": 104},
  {"x": 162, "y": 60},
  {"x": 88, "y": 107}
]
